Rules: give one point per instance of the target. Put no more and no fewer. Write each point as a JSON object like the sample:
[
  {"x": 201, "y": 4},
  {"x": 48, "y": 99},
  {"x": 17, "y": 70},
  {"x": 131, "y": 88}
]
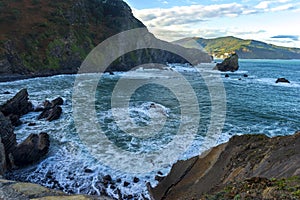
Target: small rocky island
[{"x": 229, "y": 64}]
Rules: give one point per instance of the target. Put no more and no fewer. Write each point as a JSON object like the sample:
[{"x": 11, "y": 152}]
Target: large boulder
[
  {"x": 229, "y": 64},
  {"x": 242, "y": 158},
  {"x": 17, "y": 106},
  {"x": 51, "y": 114},
  {"x": 32, "y": 149},
  {"x": 29, "y": 151}
]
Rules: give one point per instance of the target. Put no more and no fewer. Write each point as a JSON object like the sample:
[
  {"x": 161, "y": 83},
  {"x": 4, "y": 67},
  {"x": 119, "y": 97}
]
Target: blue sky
[{"x": 270, "y": 21}]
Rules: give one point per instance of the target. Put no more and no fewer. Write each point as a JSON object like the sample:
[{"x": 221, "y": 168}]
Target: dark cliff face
[
  {"x": 51, "y": 37},
  {"x": 39, "y": 35}
]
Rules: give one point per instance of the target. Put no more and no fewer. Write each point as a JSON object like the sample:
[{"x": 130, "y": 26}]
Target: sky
[{"x": 271, "y": 21}]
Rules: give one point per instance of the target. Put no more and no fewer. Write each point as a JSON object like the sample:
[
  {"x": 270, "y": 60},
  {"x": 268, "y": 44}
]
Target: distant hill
[{"x": 247, "y": 49}]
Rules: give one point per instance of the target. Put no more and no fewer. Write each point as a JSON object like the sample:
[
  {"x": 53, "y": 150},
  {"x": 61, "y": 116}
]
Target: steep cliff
[
  {"x": 49, "y": 37},
  {"x": 254, "y": 165}
]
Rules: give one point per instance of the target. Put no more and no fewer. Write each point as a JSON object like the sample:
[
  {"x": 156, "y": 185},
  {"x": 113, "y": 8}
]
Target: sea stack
[{"x": 229, "y": 64}]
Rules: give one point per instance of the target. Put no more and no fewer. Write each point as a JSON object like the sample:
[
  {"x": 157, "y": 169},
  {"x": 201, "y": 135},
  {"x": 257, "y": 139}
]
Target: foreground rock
[
  {"x": 282, "y": 80},
  {"x": 243, "y": 157},
  {"x": 29, "y": 151},
  {"x": 229, "y": 64},
  {"x": 25, "y": 191}
]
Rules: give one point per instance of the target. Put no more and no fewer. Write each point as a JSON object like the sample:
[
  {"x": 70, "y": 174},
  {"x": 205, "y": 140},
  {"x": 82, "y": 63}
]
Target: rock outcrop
[
  {"x": 17, "y": 106},
  {"x": 229, "y": 64},
  {"x": 31, "y": 149},
  {"x": 282, "y": 80},
  {"x": 243, "y": 157},
  {"x": 25, "y": 191}
]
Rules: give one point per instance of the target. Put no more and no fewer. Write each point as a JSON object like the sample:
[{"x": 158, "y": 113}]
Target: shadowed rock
[
  {"x": 51, "y": 114},
  {"x": 229, "y": 64},
  {"x": 282, "y": 80},
  {"x": 31, "y": 150},
  {"x": 241, "y": 158},
  {"x": 17, "y": 106},
  {"x": 7, "y": 135},
  {"x": 57, "y": 102}
]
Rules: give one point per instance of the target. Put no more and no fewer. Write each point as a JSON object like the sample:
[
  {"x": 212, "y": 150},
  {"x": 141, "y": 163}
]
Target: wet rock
[
  {"x": 51, "y": 114},
  {"x": 245, "y": 75},
  {"x": 226, "y": 75},
  {"x": 282, "y": 80},
  {"x": 57, "y": 102},
  {"x": 159, "y": 173},
  {"x": 136, "y": 180},
  {"x": 159, "y": 178},
  {"x": 3, "y": 166},
  {"x": 87, "y": 170},
  {"x": 15, "y": 120},
  {"x": 18, "y": 105},
  {"x": 32, "y": 149},
  {"x": 125, "y": 184},
  {"x": 31, "y": 124},
  {"x": 119, "y": 180},
  {"x": 6, "y": 92},
  {"x": 229, "y": 64},
  {"x": 107, "y": 178},
  {"x": 7, "y": 134}
]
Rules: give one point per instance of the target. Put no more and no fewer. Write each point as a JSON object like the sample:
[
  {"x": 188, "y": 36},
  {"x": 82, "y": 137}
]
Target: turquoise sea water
[{"x": 254, "y": 104}]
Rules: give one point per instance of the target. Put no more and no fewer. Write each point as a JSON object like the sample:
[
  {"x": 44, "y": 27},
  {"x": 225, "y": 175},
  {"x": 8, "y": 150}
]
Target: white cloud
[{"x": 233, "y": 19}]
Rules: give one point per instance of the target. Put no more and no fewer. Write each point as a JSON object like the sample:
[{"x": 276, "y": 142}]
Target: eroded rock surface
[
  {"x": 229, "y": 64},
  {"x": 241, "y": 158}
]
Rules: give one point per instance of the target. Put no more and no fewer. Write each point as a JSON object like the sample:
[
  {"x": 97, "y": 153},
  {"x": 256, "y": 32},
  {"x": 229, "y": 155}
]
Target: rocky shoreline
[
  {"x": 246, "y": 159},
  {"x": 248, "y": 166}
]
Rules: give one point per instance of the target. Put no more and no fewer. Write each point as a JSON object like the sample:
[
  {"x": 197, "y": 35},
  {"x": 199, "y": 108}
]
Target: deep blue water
[{"x": 140, "y": 138}]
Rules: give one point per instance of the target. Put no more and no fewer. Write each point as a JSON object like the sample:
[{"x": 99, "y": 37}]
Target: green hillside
[{"x": 247, "y": 49}]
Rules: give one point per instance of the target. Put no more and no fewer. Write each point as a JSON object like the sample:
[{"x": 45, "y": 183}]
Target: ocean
[{"x": 134, "y": 126}]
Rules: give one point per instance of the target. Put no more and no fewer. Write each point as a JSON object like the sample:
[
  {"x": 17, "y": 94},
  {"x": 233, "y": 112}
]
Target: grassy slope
[
  {"x": 247, "y": 48},
  {"x": 48, "y": 35}
]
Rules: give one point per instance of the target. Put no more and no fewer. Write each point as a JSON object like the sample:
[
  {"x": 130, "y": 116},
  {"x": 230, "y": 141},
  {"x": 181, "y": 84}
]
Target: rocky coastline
[{"x": 248, "y": 166}]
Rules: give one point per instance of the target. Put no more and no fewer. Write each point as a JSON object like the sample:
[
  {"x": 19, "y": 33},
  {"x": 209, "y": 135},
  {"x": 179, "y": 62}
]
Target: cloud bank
[{"x": 188, "y": 21}]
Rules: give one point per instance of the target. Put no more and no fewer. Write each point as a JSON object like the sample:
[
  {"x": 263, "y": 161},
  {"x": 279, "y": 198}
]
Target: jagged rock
[
  {"x": 57, "y": 102},
  {"x": 2, "y": 158},
  {"x": 241, "y": 158},
  {"x": 229, "y": 64},
  {"x": 32, "y": 149},
  {"x": 17, "y": 106},
  {"x": 7, "y": 134},
  {"x": 282, "y": 80},
  {"x": 51, "y": 114}
]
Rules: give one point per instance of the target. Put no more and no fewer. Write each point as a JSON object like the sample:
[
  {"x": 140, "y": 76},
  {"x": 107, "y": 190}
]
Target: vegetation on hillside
[
  {"x": 248, "y": 49},
  {"x": 39, "y": 35}
]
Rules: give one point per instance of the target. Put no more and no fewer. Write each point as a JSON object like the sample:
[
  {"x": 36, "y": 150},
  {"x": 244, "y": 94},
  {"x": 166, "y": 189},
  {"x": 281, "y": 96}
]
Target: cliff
[
  {"x": 246, "y": 49},
  {"x": 40, "y": 37},
  {"x": 248, "y": 166}
]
